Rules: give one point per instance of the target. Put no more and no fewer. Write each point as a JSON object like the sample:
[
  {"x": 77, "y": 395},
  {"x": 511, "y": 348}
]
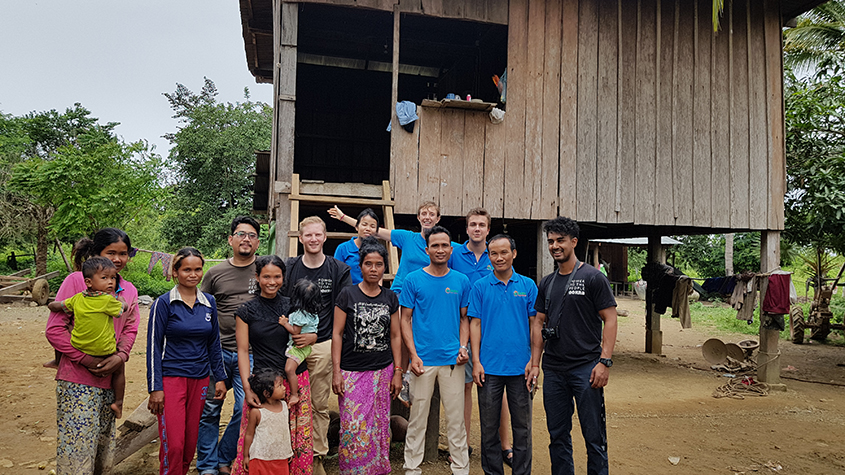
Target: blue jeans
[
  {"x": 490, "y": 412},
  {"x": 212, "y": 454},
  {"x": 559, "y": 391}
]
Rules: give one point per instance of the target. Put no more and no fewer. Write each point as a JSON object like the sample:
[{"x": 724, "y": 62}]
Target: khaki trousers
[
  {"x": 451, "y": 381},
  {"x": 320, "y": 374}
]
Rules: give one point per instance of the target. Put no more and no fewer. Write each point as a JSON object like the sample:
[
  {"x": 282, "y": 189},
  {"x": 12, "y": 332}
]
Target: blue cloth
[
  {"x": 183, "y": 341},
  {"x": 505, "y": 333},
  {"x": 406, "y": 112},
  {"x": 347, "y": 252},
  {"x": 413, "y": 258},
  {"x": 436, "y": 321},
  {"x": 212, "y": 454},
  {"x": 463, "y": 260},
  {"x": 560, "y": 389}
]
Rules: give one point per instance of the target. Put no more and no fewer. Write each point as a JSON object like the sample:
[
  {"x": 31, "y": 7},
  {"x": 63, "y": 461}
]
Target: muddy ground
[{"x": 658, "y": 407}]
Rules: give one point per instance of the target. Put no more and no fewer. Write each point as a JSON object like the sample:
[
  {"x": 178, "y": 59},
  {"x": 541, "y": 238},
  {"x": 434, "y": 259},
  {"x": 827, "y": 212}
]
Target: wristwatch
[
  {"x": 606, "y": 361},
  {"x": 464, "y": 348}
]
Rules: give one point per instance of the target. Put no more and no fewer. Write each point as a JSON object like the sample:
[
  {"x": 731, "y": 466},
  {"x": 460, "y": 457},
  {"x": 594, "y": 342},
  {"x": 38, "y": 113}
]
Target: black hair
[
  {"x": 367, "y": 212},
  {"x": 503, "y": 236},
  {"x": 86, "y": 248},
  {"x": 563, "y": 226},
  {"x": 182, "y": 254},
  {"x": 370, "y": 245},
  {"x": 271, "y": 260},
  {"x": 93, "y": 265},
  {"x": 437, "y": 230},
  {"x": 245, "y": 220},
  {"x": 306, "y": 296},
  {"x": 263, "y": 383}
]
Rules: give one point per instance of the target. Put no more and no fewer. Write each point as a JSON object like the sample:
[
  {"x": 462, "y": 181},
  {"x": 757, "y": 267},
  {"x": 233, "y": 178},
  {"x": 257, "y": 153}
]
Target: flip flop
[{"x": 507, "y": 457}]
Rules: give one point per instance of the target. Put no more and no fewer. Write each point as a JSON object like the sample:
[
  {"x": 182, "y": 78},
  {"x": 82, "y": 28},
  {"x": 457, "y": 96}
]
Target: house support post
[
  {"x": 768, "y": 358},
  {"x": 545, "y": 263},
  {"x": 653, "y": 335}
]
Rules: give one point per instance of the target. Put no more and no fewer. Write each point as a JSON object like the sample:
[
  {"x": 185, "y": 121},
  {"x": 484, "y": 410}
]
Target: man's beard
[{"x": 244, "y": 253}]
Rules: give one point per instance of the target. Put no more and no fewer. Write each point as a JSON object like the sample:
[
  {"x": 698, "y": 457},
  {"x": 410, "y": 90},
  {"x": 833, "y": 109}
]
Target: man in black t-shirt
[
  {"x": 572, "y": 303},
  {"x": 331, "y": 276}
]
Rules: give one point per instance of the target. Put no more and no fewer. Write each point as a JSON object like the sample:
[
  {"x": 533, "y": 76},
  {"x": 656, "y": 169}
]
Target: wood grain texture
[
  {"x": 644, "y": 212},
  {"x": 720, "y": 93},
  {"x": 607, "y": 111},
  {"x": 497, "y": 12},
  {"x": 473, "y": 162},
  {"x": 587, "y": 110},
  {"x": 568, "y": 107},
  {"x": 494, "y": 169},
  {"x": 758, "y": 147},
  {"x": 410, "y": 6},
  {"x": 428, "y": 185},
  {"x": 515, "y": 119},
  {"x": 682, "y": 113},
  {"x": 406, "y": 153},
  {"x": 548, "y": 178},
  {"x": 739, "y": 115},
  {"x": 774, "y": 106},
  {"x": 701, "y": 170},
  {"x": 627, "y": 122},
  {"x": 663, "y": 197},
  {"x": 394, "y": 94},
  {"x": 451, "y": 162},
  {"x": 533, "y": 167}
]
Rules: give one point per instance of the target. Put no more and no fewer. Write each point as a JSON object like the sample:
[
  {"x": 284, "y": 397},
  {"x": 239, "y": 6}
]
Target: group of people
[{"x": 284, "y": 334}]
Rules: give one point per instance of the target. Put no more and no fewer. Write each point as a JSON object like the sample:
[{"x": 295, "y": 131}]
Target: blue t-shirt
[
  {"x": 505, "y": 331},
  {"x": 436, "y": 321},
  {"x": 463, "y": 260},
  {"x": 347, "y": 253},
  {"x": 413, "y": 258}
]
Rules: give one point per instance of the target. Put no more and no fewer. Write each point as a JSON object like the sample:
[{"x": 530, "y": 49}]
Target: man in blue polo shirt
[
  {"x": 435, "y": 329},
  {"x": 501, "y": 310}
]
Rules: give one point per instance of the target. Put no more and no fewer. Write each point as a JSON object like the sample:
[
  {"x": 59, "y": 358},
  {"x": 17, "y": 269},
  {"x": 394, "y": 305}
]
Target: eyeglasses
[{"x": 242, "y": 234}]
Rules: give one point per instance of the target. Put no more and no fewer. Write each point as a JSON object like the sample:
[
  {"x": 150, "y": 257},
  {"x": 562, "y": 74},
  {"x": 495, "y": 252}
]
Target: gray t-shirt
[{"x": 231, "y": 286}]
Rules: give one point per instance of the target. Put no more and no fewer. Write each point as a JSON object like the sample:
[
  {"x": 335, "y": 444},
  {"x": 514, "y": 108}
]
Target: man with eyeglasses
[{"x": 232, "y": 282}]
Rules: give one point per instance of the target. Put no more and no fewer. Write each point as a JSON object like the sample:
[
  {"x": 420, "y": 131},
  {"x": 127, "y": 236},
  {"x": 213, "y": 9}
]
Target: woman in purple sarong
[{"x": 367, "y": 372}]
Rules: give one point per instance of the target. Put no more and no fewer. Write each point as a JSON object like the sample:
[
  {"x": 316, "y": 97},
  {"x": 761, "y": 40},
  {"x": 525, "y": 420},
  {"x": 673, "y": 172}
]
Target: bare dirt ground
[{"x": 657, "y": 407}]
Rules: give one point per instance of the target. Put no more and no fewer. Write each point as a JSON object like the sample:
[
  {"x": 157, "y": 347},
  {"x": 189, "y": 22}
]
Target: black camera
[{"x": 550, "y": 333}]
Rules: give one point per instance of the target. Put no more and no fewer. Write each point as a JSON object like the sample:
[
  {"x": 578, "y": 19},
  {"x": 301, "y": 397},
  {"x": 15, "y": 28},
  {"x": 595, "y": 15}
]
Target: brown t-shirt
[{"x": 231, "y": 286}]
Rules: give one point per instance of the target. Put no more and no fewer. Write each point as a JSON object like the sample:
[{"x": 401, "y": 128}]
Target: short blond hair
[
  {"x": 479, "y": 212},
  {"x": 429, "y": 204},
  {"x": 312, "y": 220}
]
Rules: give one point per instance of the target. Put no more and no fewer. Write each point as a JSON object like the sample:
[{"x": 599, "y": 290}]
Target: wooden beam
[{"x": 768, "y": 364}]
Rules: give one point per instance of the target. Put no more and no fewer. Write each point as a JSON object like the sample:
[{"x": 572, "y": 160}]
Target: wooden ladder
[{"x": 356, "y": 194}]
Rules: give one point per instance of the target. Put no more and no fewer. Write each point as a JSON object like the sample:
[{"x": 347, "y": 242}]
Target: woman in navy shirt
[{"x": 183, "y": 341}]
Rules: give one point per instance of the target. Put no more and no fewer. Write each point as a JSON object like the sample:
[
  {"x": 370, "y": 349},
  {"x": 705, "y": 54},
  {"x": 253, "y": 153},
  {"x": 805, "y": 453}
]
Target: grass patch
[{"x": 723, "y": 319}]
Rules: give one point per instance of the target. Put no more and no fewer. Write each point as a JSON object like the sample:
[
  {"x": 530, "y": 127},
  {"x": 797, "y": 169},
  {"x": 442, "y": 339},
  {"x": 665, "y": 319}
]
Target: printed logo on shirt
[
  {"x": 577, "y": 287},
  {"x": 489, "y": 267},
  {"x": 325, "y": 286},
  {"x": 207, "y": 317},
  {"x": 452, "y": 291},
  {"x": 517, "y": 293},
  {"x": 253, "y": 286}
]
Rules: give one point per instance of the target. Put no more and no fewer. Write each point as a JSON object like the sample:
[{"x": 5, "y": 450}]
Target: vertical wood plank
[
  {"x": 758, "y": 147},
  {"x": 473, "y": 163},
  {"x": 453, "y": 9},
  {"x": 285, "y": 102},
  {"x": 607, "y": 108},
  {"x": 410, "y": 6},
  {"x": 494, "y": 168},
  {"x": 665, "y": 208},
  {"x": 627, "y": 124},
  {"x": 548, "y": 178},
  {"x": 475, "y": 10},
  {"x": 394, "y": 95},
  {"x": 515, "y": 120},
  {"x": 451, "y": 162},
  {"x": 428, "y": 186},
  {"x": 720, "y": 93},
  {"x": 682, "y": 108},
  {"x": 646, "y": 114},
  {"x": 588, "y": 30},
  {"x": 701, "y": 176},
  {"x": 497, "y": 12},
  {"x": 739, "y": 115},
  {"x": 568, "y": 107},
  {"x": 774, "y": 107},
  {"x": 533, "y": 168},
  {"x": 406, "y": 153}
]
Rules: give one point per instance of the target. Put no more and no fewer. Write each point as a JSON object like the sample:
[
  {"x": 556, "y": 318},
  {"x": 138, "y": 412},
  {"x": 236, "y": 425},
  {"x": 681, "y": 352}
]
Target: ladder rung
[
  {"x": 340, "y": 200},
  {"x": 329, "y": 235}
]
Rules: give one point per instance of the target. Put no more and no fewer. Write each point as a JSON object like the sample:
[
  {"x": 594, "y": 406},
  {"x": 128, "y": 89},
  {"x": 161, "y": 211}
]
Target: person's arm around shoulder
[
  {"x": 215, "y": 353},
  {"x": 249, "y": 433},
  {"x": 336, "y": 213},
  {"x": 337, "y": 342}
]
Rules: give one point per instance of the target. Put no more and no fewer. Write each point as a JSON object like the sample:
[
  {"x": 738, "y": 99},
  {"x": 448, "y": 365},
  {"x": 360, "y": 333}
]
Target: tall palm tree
[{"x": 818, "y": 42}]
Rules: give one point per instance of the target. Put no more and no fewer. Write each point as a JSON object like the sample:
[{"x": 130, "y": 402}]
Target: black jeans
[{"x": 490, "y": 411}]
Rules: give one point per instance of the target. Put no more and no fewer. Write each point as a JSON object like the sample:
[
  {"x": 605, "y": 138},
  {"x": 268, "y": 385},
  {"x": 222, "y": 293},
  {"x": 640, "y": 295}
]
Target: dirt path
[{"x": 657, "y": 407}]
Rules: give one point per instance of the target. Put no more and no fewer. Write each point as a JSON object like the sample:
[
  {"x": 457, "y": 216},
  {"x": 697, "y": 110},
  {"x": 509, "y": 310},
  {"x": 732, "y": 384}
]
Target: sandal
[{"x": 507, "y": 457}]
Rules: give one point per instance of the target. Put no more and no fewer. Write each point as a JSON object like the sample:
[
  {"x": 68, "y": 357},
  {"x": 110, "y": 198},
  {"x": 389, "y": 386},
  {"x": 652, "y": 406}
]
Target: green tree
[
  {"x": 817, "y": 43},
  {"x": 705, "y": 254},
  {"x": 213, "y": 158}
]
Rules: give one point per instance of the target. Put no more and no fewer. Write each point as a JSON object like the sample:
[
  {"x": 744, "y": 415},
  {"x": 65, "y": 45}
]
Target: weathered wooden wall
[
  {"x": 488, "y": 11},
  {"x": 618, "y": 111}
]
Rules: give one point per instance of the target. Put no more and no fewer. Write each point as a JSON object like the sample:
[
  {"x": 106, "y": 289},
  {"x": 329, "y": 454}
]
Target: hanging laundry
[
  {"x": 661, "y": 282},
  {"x": 680, "y": 301},
  {"x": 744, "y": 296},
  {"x": 776, "y": 300},
  {"x": 165, "y": 259}
]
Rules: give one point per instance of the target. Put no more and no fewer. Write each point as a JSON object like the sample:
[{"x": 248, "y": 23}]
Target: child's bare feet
[
  {"x": 117, "y": 409},
  {"x": 54, "y": 364},
  {"x": 293, "y": 400}
]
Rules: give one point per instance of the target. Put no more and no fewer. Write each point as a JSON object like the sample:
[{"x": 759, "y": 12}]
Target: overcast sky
[{"x": 117, "y": 57}]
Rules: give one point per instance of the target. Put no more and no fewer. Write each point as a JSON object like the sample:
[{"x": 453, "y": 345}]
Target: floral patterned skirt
[
  {"x": 85, "y": 425},
  {"x": 365, "y": 422},
  {"x": 300, "y": 432}
]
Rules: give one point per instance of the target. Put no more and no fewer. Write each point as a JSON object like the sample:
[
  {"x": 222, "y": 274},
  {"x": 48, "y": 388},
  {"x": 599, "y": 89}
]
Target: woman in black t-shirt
[
  {"x": 257, "y": 326},
  {"x": 366, "y": 346}
]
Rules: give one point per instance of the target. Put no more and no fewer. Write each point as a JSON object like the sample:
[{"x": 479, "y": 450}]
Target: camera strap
[{"x": 565, "y": 291}]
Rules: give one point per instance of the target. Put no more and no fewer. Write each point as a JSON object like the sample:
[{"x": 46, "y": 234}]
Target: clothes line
[{"x": 164, "y": 257}]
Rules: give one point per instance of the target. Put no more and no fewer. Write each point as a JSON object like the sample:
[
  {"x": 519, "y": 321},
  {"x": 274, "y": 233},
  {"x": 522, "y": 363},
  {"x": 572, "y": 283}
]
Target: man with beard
[
  {"x": 572, "y": 303},
  {"x": 232, "y": 282}
]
